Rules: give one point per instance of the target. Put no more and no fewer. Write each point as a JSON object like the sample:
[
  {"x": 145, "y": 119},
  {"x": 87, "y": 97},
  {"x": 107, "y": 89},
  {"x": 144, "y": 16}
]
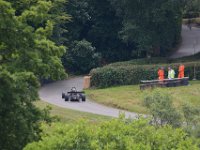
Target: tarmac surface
[
  {"x": 52, "y": 93},
  {"x": 190, "y": 44}
]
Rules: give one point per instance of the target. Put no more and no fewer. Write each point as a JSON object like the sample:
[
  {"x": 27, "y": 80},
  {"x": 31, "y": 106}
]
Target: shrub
[
  {"x": 117, "y": 134},
  {"x": 162, "y": 109},
  {"x": 112, "y": 75},
  {"x": 142, "y": 61},
  {"x": 81, "y": 58}
]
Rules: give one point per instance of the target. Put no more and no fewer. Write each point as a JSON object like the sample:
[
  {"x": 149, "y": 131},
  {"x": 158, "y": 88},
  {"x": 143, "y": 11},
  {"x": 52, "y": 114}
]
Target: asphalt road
[
  {"x": 190, "y": 42},
  {"x": 52, "y": 92}
]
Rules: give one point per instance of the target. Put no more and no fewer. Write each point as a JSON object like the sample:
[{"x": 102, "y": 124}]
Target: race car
[{"x": 74, "y": 95}]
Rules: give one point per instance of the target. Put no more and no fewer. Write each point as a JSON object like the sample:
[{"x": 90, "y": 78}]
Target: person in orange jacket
[
  {"x": 161, "y": 74},
  {"x": 181, "y": 71}
]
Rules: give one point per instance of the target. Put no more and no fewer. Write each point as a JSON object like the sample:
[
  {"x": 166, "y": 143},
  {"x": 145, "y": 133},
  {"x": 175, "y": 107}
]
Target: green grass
[
  {"x": 131, "y": 98},
  {"x": 71, "y": 116}
]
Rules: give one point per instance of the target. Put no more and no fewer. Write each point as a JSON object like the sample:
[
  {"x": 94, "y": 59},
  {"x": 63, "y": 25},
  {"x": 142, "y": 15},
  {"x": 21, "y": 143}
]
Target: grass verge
[
  {"x": 131, "y": 98},
  {"x": 70, "y": 116}
]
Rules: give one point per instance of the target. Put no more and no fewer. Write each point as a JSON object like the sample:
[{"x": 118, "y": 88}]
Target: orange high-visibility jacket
[
  {"x": 181, "y": 71},
  {"x": 161, "y": 74}
]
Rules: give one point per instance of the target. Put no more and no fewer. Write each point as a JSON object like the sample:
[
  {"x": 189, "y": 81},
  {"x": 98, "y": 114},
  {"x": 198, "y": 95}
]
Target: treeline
[
  {"x": 104, "y": 31},
  {"x": 191, "y": 8}
]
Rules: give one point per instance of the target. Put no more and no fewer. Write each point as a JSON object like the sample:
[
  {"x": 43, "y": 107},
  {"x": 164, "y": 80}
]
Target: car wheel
[
  {"x": 83, "y": 97},
  {"x": 66, "y": 98},
  {"x": 63, "y": 95}
]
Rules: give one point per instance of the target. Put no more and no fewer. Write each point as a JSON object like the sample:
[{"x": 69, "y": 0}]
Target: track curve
[
  {"x": 52, "y": 92},
  {"x": 190, "y": 44}
]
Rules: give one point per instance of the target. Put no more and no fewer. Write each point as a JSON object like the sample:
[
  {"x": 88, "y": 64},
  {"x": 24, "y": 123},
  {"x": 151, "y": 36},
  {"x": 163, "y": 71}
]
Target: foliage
[
  {"x": 192, "y": 118},
  {"x": 162, "y": 109},
  {"x": 82, "y": 57},
  {"x": 163, "y": 112},
  {"x": 18, "y": 117},
  {"x": 59, "y": 16},
  {"x": 157, "y": 60},
  {"x": 191, "y": 8},
  {"x": 25, "y": 40},
  {"x": 127, "y": 74},
  {"x": 118, "y": 134},
  {"x": 124, "y": 29},
  {"x": 27, "y": 53},
  {"x": 154, "y": 26},
  {"x": 91, "y": 21},
  {"x": 80, "y": 20},
  {"x": 142, "y": 61},
  {"x": 104, "y": 31}
]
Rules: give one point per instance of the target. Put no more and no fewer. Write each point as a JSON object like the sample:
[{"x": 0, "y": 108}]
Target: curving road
[
  {"x": 190, "y": 42},
  {"x": 51, "y": 93}
]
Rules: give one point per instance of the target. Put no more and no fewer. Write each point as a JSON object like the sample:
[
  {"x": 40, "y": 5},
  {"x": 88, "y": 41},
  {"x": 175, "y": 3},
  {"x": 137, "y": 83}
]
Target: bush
[
  {"x": 81, "y": 58},
  {"x": 118, "y": 134},
  {"x": 142, "y": 61},
  {"x": 113, "y": 75},
  {"x": 157, "y": 60},
  {"x": 162, "y": 109}
]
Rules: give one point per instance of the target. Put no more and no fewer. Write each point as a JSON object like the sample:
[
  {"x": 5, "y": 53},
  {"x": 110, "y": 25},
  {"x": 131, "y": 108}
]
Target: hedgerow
[{"x": 128, "y": 74}]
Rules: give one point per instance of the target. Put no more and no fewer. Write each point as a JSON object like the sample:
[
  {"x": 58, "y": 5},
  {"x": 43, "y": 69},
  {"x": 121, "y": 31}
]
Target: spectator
[
  {"x": 181, "y": 71},
  {"x": 171, "y": 73},
  {"x": 161, "y": 74}
]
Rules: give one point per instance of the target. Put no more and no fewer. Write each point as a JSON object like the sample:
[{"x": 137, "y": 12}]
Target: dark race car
[{"x": 74, "y": 95}]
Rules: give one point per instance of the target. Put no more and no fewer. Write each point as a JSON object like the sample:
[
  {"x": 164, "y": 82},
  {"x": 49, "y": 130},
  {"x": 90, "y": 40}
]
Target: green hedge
[
  {"x": 157, "y": 60},
  {"x": 113, "y": 75},
  {"x": 142, "y": 61}
]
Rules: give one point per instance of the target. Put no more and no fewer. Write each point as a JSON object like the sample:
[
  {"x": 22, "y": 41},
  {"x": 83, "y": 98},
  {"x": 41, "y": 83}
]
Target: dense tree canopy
[
  {"x": 191, "y": 8},
  {"x": 125, "y": 29},
  {"x": 18, "y": 117},
  {"x": 27, "y": 54},
  {"x": 25, "y": 40},
  {"x": 154, "y": 26}
]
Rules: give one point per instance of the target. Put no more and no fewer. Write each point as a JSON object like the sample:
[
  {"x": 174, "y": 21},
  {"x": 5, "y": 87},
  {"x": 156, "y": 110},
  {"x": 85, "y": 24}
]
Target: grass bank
[
  {"x": 131, "y": 98},
  {"x": 70, "y": 116}
]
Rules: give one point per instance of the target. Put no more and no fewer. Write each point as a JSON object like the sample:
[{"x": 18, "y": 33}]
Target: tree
[
  {"x": 26, "y": 41},
  {"x": 96, "y": 22},
  {"x": 18, "y": 116},
  {"x": 60, "y": 18},
  {"x": 27, "y": 54},
  {"x": 80, "y": 20},
  {"x": 155, "y": 26},
  {"x": 82, "y": 57},
  {"x": 191, "y": 8},
  {"x": 104, "y": 32}
]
